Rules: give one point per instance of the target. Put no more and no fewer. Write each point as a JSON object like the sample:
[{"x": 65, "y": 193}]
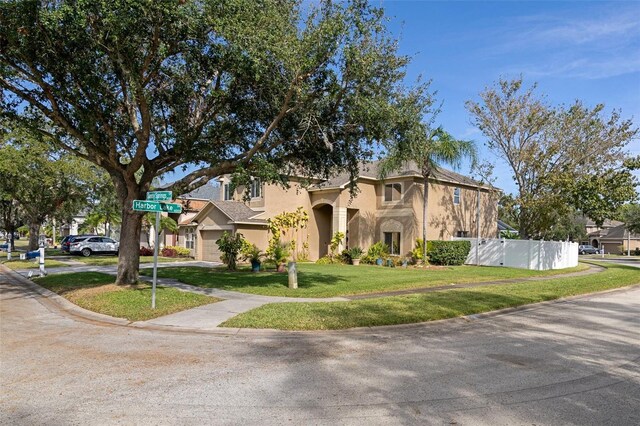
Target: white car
[{"x": 87, "y": 246}]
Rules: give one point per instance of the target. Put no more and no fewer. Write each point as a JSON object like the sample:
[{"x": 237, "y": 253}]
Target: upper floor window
[
  {"x": 392, "y": 192},
  {"x": 256, "y": 188},
  {"x": 456, "y": 195},
  {"x": 228, "y": 191}
]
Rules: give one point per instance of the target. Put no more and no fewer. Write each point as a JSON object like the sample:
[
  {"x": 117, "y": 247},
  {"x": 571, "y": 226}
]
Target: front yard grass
[
  {"x": 340, "y": 280},
  {"x": 106, "y": 260},
  {"x": 31, "y": 263},
  {"x": 96, "y": 292},
  {"x": 429, "y": 306}
]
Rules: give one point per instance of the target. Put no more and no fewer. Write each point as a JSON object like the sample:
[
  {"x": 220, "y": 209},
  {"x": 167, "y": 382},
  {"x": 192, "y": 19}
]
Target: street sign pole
[{"x": 155, "y": 261}]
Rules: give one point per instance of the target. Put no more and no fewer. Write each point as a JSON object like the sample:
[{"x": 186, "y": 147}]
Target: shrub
[
  {"x": 448, "y": 252},
  {"x": 277, "y": 252},
  {"x": 416, "y": 253},
  {"x": 146, "y": 251},
  {"x": 324, "y": 260},
  {"x": 637, "y": 251},
  {"x": 378, "y": 250},
  {"x": 174, "y": 251},
  {"x": 230, "y": 246},
  {"x": 169, "y": 252}
]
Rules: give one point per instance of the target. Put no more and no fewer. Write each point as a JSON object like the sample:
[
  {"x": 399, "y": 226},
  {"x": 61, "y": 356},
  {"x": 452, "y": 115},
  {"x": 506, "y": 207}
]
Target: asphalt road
[{"x": 575, "y": 362}]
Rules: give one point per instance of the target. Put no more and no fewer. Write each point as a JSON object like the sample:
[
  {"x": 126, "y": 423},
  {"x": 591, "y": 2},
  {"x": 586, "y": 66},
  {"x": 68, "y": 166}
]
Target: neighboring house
[
  {"x": 192, "y": 203},
  {"x": 591, "y": 226},
  {"x": 506, "y": 231},
  {"x": 72, "y": 228},
  {"x": 614, "y": 238},
  {"x": 387, "y": 210}
]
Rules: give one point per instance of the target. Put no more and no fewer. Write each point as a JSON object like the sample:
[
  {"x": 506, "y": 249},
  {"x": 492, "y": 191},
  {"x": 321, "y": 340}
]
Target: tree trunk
[
  {"x": 129, "y": 251},
  {"x": 425, "y": 199},
  {"x": 129, "y": 255},
  {"x": 34, "y": 232}
]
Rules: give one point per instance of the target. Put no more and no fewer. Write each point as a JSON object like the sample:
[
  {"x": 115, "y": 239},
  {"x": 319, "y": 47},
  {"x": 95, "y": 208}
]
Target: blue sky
[{"x": 584, "y": 50}]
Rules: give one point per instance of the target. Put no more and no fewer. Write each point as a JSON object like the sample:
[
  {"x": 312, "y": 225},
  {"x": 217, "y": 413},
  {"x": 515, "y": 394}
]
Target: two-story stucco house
[{"x": 388, "y": 210}]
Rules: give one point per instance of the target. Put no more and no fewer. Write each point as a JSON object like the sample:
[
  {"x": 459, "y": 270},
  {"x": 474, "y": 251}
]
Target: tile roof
[
  {"x": 205, "y": 192},
  {"x": 608, "y": 223},
  {"x": 370, "y": 171},
  {"x": 503, "y": 226},
  {"x": 617, "y": 232},
  {"x": 238, "y": 212}
]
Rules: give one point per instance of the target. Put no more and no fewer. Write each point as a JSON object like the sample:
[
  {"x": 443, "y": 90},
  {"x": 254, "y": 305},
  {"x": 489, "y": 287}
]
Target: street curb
[
  {"x": 63, "y": 303},
  {"x": 76, "y": 311}
]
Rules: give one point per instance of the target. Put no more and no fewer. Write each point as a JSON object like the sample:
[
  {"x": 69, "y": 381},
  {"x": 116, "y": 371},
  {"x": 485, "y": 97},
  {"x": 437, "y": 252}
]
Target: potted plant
[
  {"x": 252, "y": 253},
  {"x": 278, "y": 254},
  {"x": 355, "y": 253}
]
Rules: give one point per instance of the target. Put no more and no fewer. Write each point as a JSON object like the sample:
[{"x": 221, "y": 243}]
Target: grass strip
[
  {"x": 429, "y": 306},
  {"x": 96, "y": 292},
  {"x": 341, "y": 280},
  {"x": 32, "y": 264}
]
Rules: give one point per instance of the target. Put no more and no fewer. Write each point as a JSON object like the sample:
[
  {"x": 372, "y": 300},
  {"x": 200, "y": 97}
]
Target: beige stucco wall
[
  {"x": 369, "y": 216},
  {"x": 257, "y": 235}
]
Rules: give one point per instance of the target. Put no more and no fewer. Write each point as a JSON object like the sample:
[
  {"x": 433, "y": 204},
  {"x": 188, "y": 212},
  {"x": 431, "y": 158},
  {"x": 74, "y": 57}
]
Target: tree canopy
[
  {"x": 260, "y": 89},
  {"x": 561, "y": 157},
  {"x": 42, "y": 181}
]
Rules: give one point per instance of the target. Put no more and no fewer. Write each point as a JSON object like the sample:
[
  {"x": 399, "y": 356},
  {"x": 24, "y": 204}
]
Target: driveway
[{"x": 565, "y": 363}]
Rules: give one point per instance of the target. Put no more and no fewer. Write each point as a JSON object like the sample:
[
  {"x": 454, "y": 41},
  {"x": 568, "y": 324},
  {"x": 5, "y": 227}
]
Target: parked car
[
  {"x": 87, "y": 246},
  {"x": 66, "y": 241},
  {"x": 588, "y": 249}
]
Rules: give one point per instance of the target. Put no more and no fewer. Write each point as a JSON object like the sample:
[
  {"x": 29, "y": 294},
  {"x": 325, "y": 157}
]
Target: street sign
[
  {"x": 159, "y": 196},
  {"x": 155, "y": 206}
]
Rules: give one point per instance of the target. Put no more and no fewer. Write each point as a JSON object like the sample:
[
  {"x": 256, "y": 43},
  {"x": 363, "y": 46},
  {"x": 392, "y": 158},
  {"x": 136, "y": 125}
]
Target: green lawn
[
  {"x": 104, "y": 260},
  {"x": 338, "y": 280},
  {"x": 31, "y": 263},
  {"x": 96, "y": 292},
  {"x": 429, "y": 306}
]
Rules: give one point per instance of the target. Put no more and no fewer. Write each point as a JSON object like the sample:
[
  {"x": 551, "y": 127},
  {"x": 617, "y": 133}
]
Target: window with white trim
[
  {"x": 392, "y": 240},
  {"x": 228, "y": 191},
  {"x": 256, "y": 188},
  {"x": 456, "y": 195},
  {"x": 189, "y": 238},
  {"x": 392, "y": 192}
]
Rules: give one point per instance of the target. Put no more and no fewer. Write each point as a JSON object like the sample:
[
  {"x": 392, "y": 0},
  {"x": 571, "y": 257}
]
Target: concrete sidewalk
[
  {"x": 209, "y": 317},
  {"x": 205, "y": 317}
]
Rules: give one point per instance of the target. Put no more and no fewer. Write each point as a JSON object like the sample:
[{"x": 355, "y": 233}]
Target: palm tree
[{"x": 427, "y": 148}]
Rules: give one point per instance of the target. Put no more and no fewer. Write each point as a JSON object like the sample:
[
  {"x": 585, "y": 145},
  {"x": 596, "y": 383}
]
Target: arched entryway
[
  {"x": 595, "y": 243},
  {"x": 323, "y": 216}
]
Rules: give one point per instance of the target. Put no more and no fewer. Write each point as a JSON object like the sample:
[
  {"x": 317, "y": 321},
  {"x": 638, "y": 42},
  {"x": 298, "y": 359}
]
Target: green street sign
[
  {"x": 154, "y": 206},
  {"x": 159, "y": 196}
]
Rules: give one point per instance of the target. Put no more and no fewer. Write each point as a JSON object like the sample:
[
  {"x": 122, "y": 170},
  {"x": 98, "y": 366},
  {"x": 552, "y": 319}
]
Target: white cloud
[{"x": 576, "y": 47}]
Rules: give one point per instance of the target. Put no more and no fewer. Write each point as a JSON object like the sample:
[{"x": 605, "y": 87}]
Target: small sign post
[{"x": 154, "y": 203}]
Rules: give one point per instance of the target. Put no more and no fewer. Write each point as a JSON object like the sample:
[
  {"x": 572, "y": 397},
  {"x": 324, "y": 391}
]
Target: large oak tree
[
  {"x": 142, "y": 88},
  {"x": 561, "y": 158}
]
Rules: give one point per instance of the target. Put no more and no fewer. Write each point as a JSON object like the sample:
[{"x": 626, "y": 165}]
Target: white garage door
[{"x": 210, "y": 250}]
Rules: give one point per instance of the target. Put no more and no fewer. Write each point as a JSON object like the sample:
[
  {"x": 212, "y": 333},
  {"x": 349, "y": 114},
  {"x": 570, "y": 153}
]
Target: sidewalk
[{"x": 209, "y": 317}]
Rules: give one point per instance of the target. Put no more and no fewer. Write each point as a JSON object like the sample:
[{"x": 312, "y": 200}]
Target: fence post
[
  {"x": 540, "y": 254},
  {"x": 502, "y": 246}
]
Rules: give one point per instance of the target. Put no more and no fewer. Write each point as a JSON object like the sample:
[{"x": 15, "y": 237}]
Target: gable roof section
[
  {"x": 615, "y": 233},
  {"x": 237, "y": 212},
  {"x": 205, "y": 192},
  {"x": 503, "y": 226},
  {"x": 370, "y": 171}
]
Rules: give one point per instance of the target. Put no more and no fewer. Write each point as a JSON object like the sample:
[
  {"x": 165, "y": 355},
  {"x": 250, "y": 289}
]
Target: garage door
[{"x": 210, "y": 250}]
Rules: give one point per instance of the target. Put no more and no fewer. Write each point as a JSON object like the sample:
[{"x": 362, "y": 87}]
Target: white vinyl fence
[{"x": 526, "y": 254}]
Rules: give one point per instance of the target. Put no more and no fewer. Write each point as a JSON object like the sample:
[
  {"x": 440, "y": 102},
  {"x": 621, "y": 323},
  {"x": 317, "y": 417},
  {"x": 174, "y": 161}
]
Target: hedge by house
[{"x": 448, "y": 252}]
